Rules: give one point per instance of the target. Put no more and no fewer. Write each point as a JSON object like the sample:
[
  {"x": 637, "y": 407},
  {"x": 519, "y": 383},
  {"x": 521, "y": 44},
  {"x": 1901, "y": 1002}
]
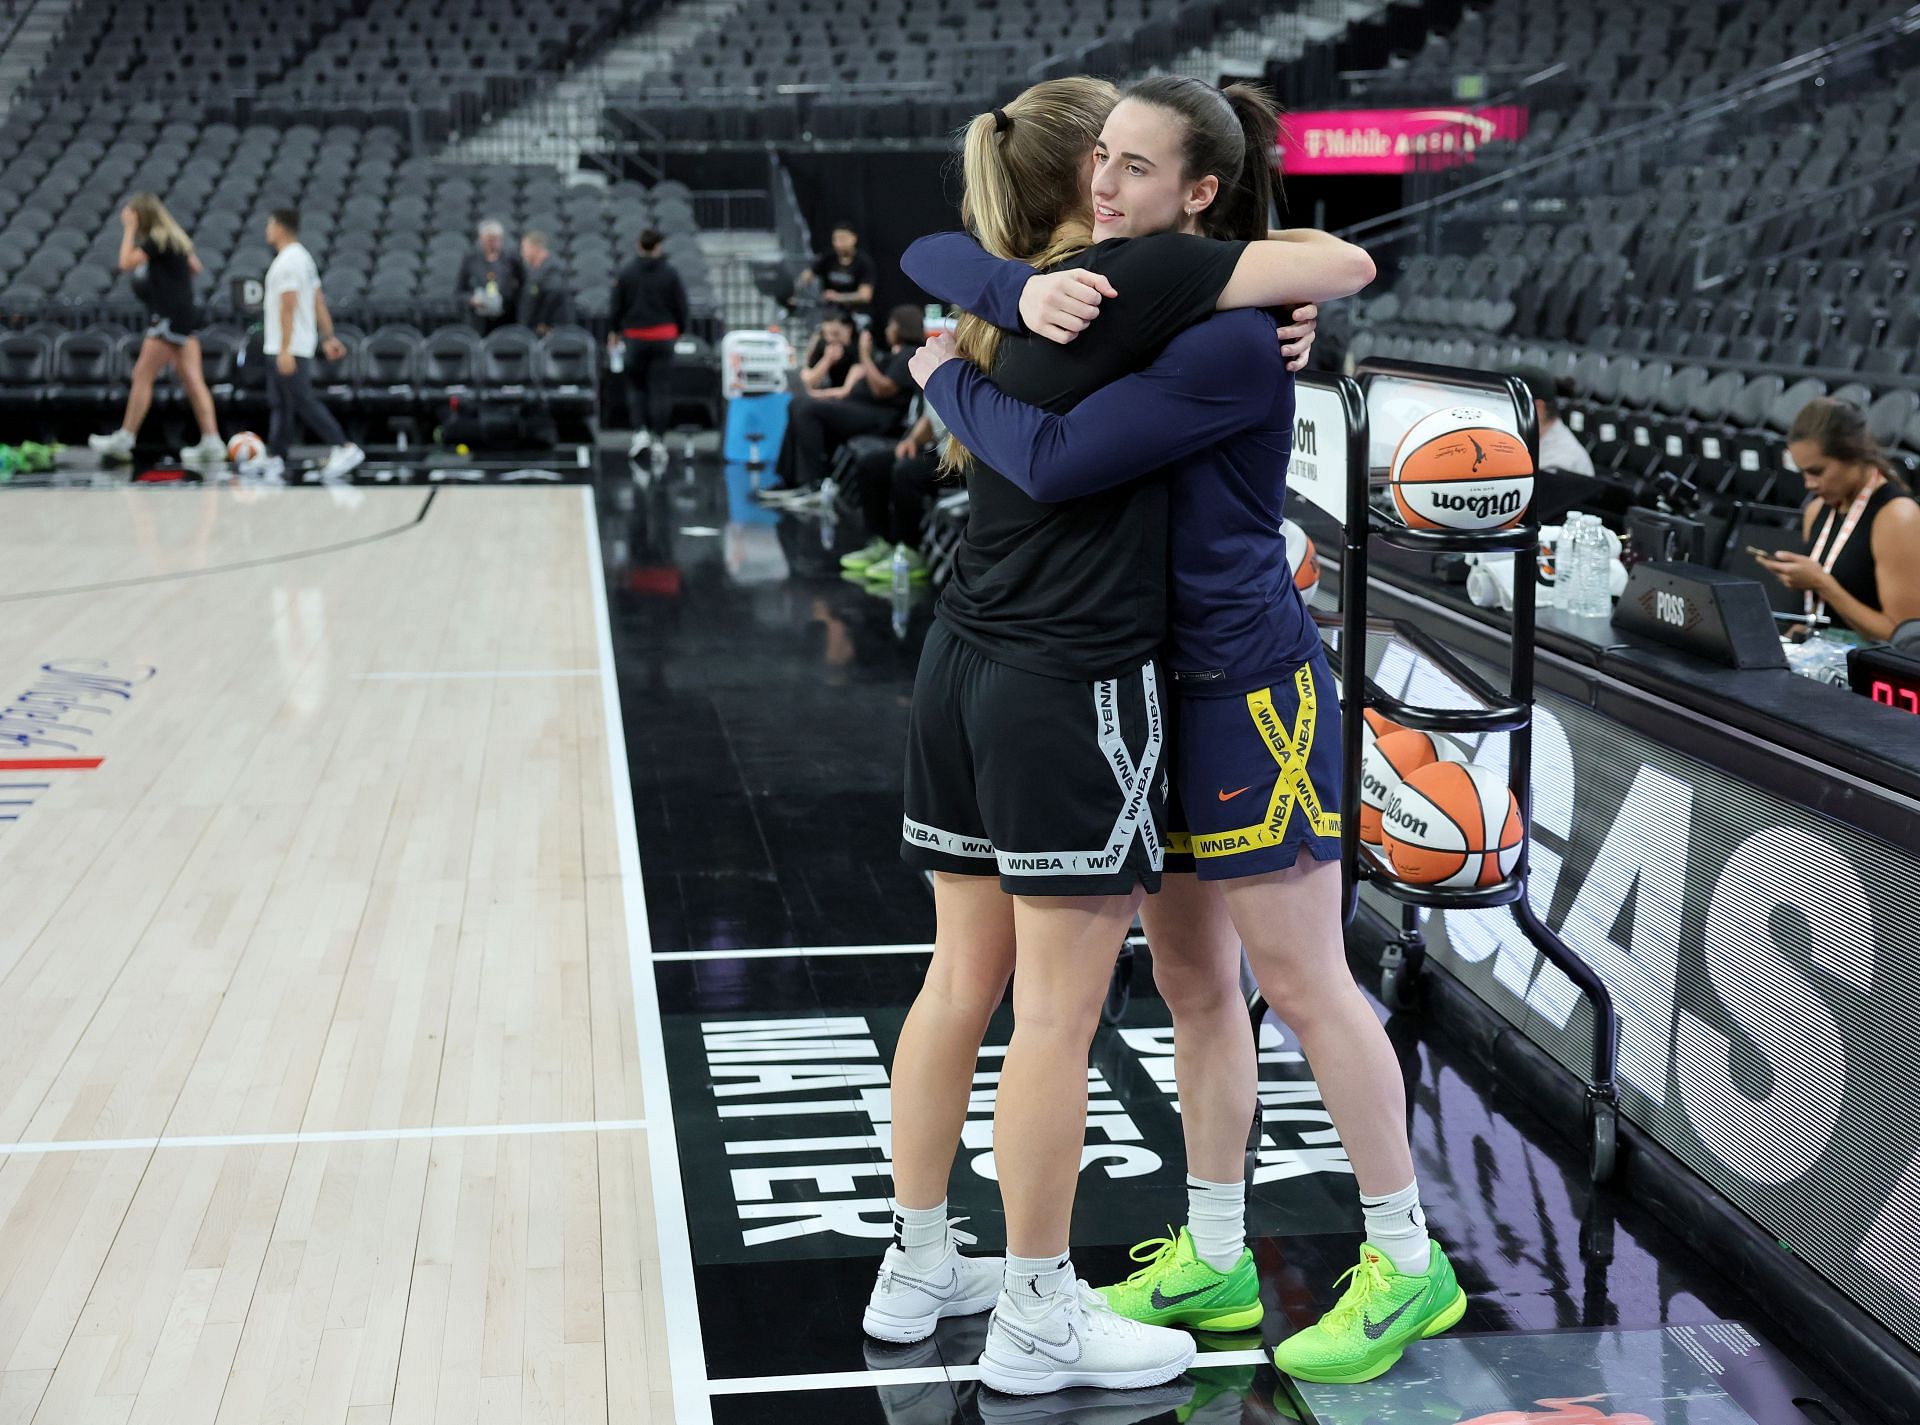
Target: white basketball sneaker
[
  {"x": 209, "y": 453},
  {"x": 1076, "y": 1339},
  {"x": 907, "y": 1304},
  {"x": 342, "y": 461},
  {"x": 114, "y": 448}
]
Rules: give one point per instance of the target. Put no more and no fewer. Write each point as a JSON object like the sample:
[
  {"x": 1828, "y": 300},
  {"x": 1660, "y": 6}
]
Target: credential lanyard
[{"x": 1817, "y": 608}]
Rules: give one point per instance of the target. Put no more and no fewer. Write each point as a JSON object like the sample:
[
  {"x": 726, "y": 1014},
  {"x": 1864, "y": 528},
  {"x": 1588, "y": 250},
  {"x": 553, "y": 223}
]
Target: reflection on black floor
[{"x": 765, "y": 700}]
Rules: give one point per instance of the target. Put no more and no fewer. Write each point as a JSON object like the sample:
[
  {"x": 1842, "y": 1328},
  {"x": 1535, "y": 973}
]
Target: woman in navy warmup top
[
  {"x": 1035, "y": 777},
  {"x": 1256, "y": 714}
]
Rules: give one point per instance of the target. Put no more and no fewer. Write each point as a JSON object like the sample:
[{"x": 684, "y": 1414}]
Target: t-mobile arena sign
[{"x": 1391, "y": 140}]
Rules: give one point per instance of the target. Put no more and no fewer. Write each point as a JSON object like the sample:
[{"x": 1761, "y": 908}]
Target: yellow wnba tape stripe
[{"x": 1292, "y": 787}]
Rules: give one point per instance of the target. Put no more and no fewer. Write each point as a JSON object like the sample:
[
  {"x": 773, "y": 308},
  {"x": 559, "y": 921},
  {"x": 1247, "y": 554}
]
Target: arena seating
[
  {"x": 1688, "y": 315},
  {"x": 387, "y": 228},
  {"x": 835, "y": 69},
  {"x": 59, "y": 384},
  {"x": 434, "y": 63}
]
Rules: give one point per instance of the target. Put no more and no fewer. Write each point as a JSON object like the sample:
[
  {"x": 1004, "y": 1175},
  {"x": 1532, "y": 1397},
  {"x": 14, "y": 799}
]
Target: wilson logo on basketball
[{"x": 1480, "y": 506}]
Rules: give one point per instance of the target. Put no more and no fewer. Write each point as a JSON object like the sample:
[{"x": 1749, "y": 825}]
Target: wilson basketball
[
  {"x": 1373, "y": 727},
  {"x": 1454, "y": 825},
  {"x": 1302, "y": 558},
  {"x": 245, "y": 446},
  {"x": 1452, "y": 470},
  {"x": 1386, "y": 765}
]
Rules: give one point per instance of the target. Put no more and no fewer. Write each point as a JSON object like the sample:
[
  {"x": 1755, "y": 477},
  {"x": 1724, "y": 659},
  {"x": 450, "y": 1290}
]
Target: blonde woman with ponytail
[
  {"x": 152, "y": 243},
  {"x": 1036, "y": 765},
  {"x": 1255, "y": 860}
]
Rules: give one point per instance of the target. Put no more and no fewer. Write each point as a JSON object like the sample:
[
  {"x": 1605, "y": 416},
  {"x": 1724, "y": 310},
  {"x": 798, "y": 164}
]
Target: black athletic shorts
[
  {"x": 174, "y": 331},
  {"x": 1057, "y": 787},
  {"x": 1258, "y": 777}
]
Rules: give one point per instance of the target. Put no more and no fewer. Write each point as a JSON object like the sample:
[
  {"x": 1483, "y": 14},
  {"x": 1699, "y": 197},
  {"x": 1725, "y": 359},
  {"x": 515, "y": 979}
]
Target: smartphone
[{"x": 1759, "y": 553}]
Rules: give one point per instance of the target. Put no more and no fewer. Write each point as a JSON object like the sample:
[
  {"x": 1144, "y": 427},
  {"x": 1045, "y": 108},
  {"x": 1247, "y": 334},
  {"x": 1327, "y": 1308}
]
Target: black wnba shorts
[{"x": 1059, "y": 788}]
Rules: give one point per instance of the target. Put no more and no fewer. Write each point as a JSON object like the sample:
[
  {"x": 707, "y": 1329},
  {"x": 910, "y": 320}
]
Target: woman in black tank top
[
  {"x": 155, "y": 248},
  {"x": 1861, "y": 524}
]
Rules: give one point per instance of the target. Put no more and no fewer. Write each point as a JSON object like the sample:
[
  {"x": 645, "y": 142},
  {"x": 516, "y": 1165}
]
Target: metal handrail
[
  {"x": 1660, "y": 128},
  {"x": 1729, "y": 234}
]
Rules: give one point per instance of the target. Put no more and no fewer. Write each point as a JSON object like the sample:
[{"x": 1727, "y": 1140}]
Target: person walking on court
[
  {"x": 649, "y": 314},
  {"x": 297, "y": 324},
  {"x": 153, "y": 244}
]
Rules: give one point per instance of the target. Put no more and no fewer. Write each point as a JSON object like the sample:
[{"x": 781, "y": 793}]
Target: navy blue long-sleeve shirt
[{"x": 1216, "y": 406}]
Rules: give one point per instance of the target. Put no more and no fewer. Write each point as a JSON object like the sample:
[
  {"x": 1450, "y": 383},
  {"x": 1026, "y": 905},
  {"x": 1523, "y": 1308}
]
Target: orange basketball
[
  {"x": 1454, "y": 825},
  {"x": 1303, "y": 558},
  {"x": 1386, "y": 765},
  {"x": 1373, "y": 727},
  {"x": 1453, "y": 470}
]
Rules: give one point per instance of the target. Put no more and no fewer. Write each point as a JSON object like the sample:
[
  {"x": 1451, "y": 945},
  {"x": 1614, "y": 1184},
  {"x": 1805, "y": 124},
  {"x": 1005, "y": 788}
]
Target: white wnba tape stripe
[{"x": 920, "y": 834}]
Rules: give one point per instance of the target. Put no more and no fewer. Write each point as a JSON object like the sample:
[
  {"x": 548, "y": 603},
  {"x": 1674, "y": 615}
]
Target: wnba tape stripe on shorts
[
  {"x": 1292, "y": 787},
  {"x": 920, "y": 834}
]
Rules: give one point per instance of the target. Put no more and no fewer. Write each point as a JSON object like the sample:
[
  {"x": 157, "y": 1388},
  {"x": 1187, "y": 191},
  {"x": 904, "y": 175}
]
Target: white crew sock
[
  {"x": 1398, "y": 1227},
  {"x": 1217, "y": 1221},
  {"x": 1032, "y": 1283},
  {"x": 921, "y": 1232}
]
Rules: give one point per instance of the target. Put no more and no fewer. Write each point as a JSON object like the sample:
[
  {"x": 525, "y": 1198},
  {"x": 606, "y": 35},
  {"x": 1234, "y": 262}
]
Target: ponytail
[{"x": 1025, "y": 193}]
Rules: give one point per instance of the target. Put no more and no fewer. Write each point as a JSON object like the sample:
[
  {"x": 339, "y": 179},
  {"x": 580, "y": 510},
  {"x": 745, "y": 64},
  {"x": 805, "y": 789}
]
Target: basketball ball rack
[{"x": 1508, "y": 710}]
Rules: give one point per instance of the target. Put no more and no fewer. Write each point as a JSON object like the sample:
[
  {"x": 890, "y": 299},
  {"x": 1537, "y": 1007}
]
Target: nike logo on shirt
[{"x": 1227, "y": 796}]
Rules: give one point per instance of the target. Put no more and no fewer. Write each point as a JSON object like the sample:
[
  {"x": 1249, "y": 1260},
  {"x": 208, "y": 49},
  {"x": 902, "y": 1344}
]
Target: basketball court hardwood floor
[
  {"x": 452, "y": 945},
  {"x": 320, "y": 1092}
]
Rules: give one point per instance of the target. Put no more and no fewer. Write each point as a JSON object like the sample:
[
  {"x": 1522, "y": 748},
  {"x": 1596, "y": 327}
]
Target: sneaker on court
[
  {"x": 268, "y": 470},
  {"x": 873, "y": 552},
  {"x": 115, "y": 448},
  {"x": 638, "y": 445},
  {"x": 1177, "y": 1288},
  {"x": 210, "y": 451},
  {"x": 342, "y": 461},
  {"x": 1379, "y": 1315},
  {"x": 881, "y": 572},
  {"x": 906, "y": 1304},
  {"x": 1078, "y": 1340},
  {"x": 1084, "y": 1407}
]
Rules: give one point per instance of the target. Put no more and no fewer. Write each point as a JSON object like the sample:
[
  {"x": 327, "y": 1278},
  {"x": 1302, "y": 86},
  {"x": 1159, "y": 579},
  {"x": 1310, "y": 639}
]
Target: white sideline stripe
[
  {"x": 781, "y": 953},
  {"x": 336, "y": 1135},
  {"x": 686, "y": 1355},
  {"x": 477, "y": 673},
  {"x": 827, "y": 1380},
  {"x": 922, "y": 1375}
]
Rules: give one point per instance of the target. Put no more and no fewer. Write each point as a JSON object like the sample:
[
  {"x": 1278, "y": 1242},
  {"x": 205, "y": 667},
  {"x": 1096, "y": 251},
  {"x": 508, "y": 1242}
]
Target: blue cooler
[{"x": 755, "y": 427}]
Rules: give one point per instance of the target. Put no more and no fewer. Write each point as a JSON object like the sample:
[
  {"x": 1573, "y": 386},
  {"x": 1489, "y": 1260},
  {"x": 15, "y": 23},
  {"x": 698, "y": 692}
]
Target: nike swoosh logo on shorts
[
  {"x": 1161, "y": 1303},
  {"x": 1227, "y": 796},
  {"x": 1053, "y": 1350},
  {"x": 1376, "y": 1329}
]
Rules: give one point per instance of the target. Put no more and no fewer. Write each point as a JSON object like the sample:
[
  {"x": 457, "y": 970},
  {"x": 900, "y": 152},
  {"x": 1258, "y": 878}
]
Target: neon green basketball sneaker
[
  {"x": 1379, "y": 1315},
  {"x": 1177, "y": 1288}
]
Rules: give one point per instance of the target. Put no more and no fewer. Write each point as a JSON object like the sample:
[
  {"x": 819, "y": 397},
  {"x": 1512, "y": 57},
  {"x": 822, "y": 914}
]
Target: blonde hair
[
  {"x": 156, "y": 225},
  {"x": 1026, "y": 193}
]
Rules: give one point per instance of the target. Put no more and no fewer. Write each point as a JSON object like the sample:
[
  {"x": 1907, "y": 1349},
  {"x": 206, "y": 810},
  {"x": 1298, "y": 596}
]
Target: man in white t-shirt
[{"x": 297, "y": 324}]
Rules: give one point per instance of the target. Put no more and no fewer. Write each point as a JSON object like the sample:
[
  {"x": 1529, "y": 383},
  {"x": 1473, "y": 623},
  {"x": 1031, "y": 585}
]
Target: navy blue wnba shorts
[{"x": 1257, "y": 777}]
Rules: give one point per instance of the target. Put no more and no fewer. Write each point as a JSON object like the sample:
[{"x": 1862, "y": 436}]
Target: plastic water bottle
[
  {"x": 1590, "y": 595},
  {"x": 617, "y": 360},
  {"x": 902, "y": 597}
]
